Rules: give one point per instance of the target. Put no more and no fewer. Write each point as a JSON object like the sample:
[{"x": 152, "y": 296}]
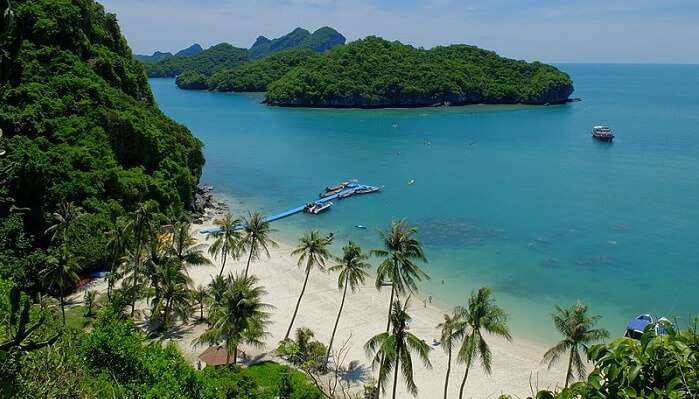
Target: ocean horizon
[{"x": 517, "y": 198}]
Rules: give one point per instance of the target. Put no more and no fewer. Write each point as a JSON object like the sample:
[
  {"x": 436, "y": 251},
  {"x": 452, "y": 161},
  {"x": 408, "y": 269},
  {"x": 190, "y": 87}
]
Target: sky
[{"x": 592, "y": 31}]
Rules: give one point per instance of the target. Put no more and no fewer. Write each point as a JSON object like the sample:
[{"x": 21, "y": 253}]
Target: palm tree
[
  {"x": 240, "y": 317},
  {"x": 90, "y": 298},
  {"x": 118, "y": 241},
  {"x": 400, "y": 252},
  {"x": 256, "y": 237},
  {"x": 452, "y": 329},
  {"x": 576, "y": 327},
  {"x": 352, "y": 268},
  {"x": 65, "y": 215},
  {"x": 141, "y": 225},
  {"x": 61, "y": 273},
  {"x": 480, "y": 315},
  {"x": 312, "y": 251},
  {"x": 200, "y": 296},
  {"x": 225, "y": 240},
  {"x": 173, "y": 294},
  {"x": 185, "y": 246},
  {"x": 217, "y": 287},
  {"x": 392, "y": 350}
]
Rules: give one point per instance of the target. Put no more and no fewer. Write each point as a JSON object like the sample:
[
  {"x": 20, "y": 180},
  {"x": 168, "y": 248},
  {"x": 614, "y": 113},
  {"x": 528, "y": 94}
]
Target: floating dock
[{"x": 349, "y": 188}]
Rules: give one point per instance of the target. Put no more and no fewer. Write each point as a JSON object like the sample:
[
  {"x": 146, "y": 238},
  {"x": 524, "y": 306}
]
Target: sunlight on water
[{"x": 517, "y": 198}]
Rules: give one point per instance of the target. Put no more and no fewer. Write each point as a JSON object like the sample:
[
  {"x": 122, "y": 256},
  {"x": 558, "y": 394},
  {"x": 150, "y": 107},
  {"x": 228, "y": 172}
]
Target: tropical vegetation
[
  {"x": 312, "y": 251},
  {"x": 319, "y": 41},
  {"x": 85, "y": 142},
  {"x": 480, "y": 315},
  {"x": 213, "y": 59},
  {"x": 392, "y": 351},
  {"x": 576, "y": 326},
  {"x": 374, "y": 72},
  {"x": 256, "y": 75}
]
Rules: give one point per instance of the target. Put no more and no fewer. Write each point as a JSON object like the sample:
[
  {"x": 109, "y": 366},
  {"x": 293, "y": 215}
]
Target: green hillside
[
  {"x": 377, "y": 73},
  {"x": 256, "y": 75},
  {"x": 319, "y": 41},
  {"x": 213, "y": 59},
  {"x": 80, "y": 127}
]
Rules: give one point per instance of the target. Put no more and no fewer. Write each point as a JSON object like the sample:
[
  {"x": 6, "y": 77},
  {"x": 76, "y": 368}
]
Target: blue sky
[{"x": 611, "y": 31}]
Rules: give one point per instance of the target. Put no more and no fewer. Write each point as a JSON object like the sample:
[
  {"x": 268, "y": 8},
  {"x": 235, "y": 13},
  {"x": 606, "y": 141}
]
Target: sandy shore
[
  {"x": 515, "y": 365},
  {"x": 364, "y": 315}
]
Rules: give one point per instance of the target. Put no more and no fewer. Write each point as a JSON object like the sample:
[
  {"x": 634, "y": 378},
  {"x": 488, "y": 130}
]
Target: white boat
[
  {"x": 320, "y": 207},
  {"x": 602, "y": 133}
]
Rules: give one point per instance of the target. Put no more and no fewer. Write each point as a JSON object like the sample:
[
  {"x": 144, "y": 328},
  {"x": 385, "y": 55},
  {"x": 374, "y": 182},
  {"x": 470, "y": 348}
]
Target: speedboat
[
  {"x": 336, "y": 187},
  {"x": 367, "y": 190},
  {"x": 331, "y": 192},
  {"x": 320, "y": 207},
  {"x": 346, "y": 193},
  {"x": 602, "y": 133},
  {"x": 636, "y": 326}
]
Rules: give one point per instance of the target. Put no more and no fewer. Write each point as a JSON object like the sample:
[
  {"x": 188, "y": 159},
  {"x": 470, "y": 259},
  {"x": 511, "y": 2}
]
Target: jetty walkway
[{"x": 349, "y": 188}]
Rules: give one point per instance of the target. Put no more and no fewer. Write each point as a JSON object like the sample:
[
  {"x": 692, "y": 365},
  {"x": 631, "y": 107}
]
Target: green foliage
[
  {"x": 303, "y": 351},
  {"x": 192, "y": 80},
  {"x": 268, "y": 376},
  {"x": 81, "y": 127},
  {"x": 654, "y": 367},
  {"x": 257, "y": 75},
  {"x": 152, "y": 59},
  {"x": 213, "y": 59},
  {"x": 374, "y": 72},
  {"x": 321, "y": 40}
]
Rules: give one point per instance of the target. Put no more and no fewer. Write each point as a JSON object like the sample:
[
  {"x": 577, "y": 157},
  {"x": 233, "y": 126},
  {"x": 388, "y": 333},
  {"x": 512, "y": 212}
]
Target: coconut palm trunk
[
  {"x": 570, "y": 368},
  {"x": 137, "y": 269},
  {"x": 395, "y": 372},
  {"x": 463, "y": 382},
  {"x": 446, "y": 379},
  {"x": 247, "y": 267},
  {"x": 223, "y": 262},
  {"x": 298, "y": 302},
  {"x": 390, "y": 303},
  {"x": 337, "y": 321}
]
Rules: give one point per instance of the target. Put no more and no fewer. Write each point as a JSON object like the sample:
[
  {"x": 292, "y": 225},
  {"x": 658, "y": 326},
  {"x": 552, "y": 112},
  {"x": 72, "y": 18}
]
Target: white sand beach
[
  {"x": 515, "y": 365},
  {"x": 364, "y": 315}
]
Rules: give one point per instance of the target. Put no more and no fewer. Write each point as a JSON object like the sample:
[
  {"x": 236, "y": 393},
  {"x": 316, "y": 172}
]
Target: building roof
[{"x": 215, "y": 356}]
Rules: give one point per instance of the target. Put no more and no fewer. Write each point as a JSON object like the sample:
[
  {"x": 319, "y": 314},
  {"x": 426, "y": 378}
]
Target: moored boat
[
  {"x": 367, "y": 190},
  {"x": 329, "y": 193},
  {"x": 602, "y": 133},
  {"x": 636, "y": 327},
  {"x": 320, "y": 207},
  {"x": 346, "y": 193},
  {"x": 336, "y": 187}
]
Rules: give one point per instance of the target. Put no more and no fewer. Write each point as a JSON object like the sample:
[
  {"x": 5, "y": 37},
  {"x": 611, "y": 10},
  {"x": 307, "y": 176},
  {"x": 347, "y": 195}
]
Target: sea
[{"x": 519, "y": 199}]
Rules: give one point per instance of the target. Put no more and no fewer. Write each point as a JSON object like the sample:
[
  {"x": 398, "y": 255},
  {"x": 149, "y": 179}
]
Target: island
[
  {"x": 202, "y": 64},
  {"x": 374, "y": 73}
]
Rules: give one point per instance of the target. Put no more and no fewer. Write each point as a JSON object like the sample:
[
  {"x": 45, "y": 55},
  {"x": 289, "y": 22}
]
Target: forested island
[
  {"x": 367, "y": 73},
  {"x": 202, "y": 64},
  {"x": 374, "y": 72}
]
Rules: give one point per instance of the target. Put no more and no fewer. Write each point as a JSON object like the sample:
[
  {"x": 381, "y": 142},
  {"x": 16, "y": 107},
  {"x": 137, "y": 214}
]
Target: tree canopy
[
  {"x": 257, "y": 75},
  {"x": 80, "y": 125},
  {"x": 213, "y": 59},
  {"x": 319, "y": 41},
  {"x": 374, "y": 72}
]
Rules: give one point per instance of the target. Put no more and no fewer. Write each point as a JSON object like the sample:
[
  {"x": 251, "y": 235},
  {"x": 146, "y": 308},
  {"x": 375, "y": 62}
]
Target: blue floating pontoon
[{"x": 349, "y": 188}]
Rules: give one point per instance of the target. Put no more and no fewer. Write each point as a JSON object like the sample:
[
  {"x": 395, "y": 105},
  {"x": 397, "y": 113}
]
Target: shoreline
[{"x": 516, "y": 365}]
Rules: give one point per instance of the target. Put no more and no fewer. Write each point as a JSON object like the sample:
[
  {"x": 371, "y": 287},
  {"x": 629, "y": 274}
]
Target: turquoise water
[{"x": 520, "y": 199}]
